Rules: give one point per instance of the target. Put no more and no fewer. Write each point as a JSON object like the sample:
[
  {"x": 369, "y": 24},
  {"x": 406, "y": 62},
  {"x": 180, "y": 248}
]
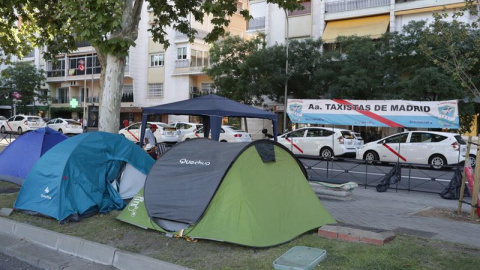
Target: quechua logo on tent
[
  {"x": 194, "y": 162},
  {"x": 133, "y": 206},
  {"x": 45, "y": 195}
]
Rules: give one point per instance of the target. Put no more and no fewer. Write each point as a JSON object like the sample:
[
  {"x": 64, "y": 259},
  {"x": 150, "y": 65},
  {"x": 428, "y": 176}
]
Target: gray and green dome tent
[{"x": 252, "y": 194}]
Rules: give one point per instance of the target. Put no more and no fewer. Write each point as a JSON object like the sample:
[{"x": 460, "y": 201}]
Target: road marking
[
  {"x": 395, "y": 152},
  {"x": 294, "y": 145}
]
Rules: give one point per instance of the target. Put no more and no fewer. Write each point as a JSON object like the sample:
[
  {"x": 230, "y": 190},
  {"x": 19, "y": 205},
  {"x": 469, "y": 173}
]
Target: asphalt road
[
  {"x": 11, "y": 263},
  {"x": 413, "y": 177}
]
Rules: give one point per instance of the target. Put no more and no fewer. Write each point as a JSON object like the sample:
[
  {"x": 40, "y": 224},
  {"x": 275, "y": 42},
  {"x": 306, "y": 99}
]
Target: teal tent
[{"x": 73, "y": 179}]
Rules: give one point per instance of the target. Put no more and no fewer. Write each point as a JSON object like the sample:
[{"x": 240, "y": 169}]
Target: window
[
  {"x": 207, "y": 88},
  {"x": 296, "y": 134},
  {"x": 401, "y": 138},
  {"x": 156, "y": 60},
  {"x": 182, "y": 53},
  {"x": 155, "y": 90}
]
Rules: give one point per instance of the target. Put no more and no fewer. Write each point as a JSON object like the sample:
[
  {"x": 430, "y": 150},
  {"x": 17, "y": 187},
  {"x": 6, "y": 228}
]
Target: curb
[
  {"x": 70, "y": 246},
  {"x": 358, "y": 234}
]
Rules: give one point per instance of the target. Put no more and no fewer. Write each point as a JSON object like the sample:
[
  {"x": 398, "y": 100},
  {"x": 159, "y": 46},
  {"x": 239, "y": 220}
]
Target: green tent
[{"x": 252, "y": 194}]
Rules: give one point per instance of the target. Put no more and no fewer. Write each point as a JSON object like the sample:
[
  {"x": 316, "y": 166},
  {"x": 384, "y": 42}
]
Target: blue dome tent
[
  {"x": 73, "y": 179},
  {"x": 20, "y": 156}
]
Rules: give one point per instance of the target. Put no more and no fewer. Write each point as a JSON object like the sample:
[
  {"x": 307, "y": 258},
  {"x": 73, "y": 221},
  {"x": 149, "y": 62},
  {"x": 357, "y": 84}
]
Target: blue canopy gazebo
[{"x": 212, "y": 108}]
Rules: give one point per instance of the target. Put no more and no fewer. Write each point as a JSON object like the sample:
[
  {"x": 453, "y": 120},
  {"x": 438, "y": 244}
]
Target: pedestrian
[
  {"x": 84, "y": 123},
  {"x": 151, "y": 151},
  {"x": 149, "y": 137},
  {"x": 126, "y": 123}
]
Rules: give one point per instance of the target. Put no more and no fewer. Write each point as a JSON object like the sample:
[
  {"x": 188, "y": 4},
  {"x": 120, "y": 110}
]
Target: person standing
[
  {"x": 149, "y": 137},
  {"x": 126, "y": 123},
  {"x": 84, "y": 123}
]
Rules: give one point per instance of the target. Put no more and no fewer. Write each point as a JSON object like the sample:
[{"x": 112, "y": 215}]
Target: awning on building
[{"x": 374, "y": 27}]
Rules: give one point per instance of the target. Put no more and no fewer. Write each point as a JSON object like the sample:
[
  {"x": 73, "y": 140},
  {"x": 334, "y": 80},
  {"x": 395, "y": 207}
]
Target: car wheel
[
  {"x": 2, "y": 130},
  {"x": 61, "y": 131},
  {"x": 472, "y": 159},
  {"x": 371, "y": 156},
  {"x": 326, "y": 153},
  {"x": 20, "y": 131},
  {"x": 123, "y": 135},
  {"x": 223, "y": 141},
  {"x": 437, "y": 162}
]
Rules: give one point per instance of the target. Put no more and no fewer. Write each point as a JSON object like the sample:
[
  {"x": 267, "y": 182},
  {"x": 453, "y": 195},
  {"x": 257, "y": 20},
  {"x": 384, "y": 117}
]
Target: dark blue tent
[
  {"x": 18, "y": 158},
  {"x": 212, "y": 108}
]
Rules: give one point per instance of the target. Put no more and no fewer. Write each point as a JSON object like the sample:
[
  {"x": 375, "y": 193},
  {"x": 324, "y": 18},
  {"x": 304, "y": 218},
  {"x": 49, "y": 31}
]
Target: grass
[{"x": 405, "y": 252}]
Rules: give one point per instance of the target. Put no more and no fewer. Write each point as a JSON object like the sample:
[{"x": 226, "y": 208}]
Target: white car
[
  {"x": 320, "y": 141},
  {"x": 227, "y": 134},
  {"x": 185, "y": 128},
  {"x": 436, "y": 149},
  {"x": 65, "y": 126},
  {"x": 164, "y": 133},
  {"x": 21, "y": 123}
]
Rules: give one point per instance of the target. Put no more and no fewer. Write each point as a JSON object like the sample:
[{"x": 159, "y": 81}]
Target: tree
[
  {"x": 25, "y": 79},
  {"x": 355, "y": 71},
  {"x": 453, "y": 46},
  {"x": 245, "y": 70},
  {"x": 111, "y": 26}
]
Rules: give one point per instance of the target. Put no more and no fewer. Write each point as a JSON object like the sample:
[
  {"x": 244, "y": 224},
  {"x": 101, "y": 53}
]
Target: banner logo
[{"x": 447, "y": 112}]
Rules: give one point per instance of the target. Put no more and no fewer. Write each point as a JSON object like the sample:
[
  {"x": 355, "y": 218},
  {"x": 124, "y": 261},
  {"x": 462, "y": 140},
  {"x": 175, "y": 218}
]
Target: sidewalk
[{"x": 396, "y": 211}]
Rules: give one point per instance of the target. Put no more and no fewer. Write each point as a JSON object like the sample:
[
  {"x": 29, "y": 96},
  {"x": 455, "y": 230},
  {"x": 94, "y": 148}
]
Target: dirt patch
[{"x": 449, "y": 214}]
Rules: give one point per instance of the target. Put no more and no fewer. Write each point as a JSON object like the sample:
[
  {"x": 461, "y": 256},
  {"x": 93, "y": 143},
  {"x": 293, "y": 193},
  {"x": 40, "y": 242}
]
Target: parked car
[
  {"x": 65, "y": 126},
  {"x": 437, "y": 149},
  {"x": 21, "y": 123},
  {"x": 164, "y": 133},
  {"x": 320, "y": 141},
  {"x": 185, "y": 128},
  {"x": 358, "y": 139},
  {"x": 227, "y": 134}
]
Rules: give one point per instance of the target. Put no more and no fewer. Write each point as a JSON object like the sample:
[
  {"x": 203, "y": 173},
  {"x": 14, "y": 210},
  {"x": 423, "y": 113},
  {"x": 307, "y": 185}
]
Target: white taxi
[
  {"x": 437, "y": 149},
  {"x": 21, "y": 123},
  {"x": 164, "y": 133},
  {"x": 320, "y": 141}
]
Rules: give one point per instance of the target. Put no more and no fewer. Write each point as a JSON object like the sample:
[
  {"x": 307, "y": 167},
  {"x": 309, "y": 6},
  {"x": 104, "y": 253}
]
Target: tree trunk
[
  {"x": 111, "y": 96},
  {"x": 113, "y": 68}
]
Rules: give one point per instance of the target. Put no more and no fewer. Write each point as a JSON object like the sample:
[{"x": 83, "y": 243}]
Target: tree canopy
[
  {"x": 25, "y": 79},
  {"x": 111, "y": 26}
]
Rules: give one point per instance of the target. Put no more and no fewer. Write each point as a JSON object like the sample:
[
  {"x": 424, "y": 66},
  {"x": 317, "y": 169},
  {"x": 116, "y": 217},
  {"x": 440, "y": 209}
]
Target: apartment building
[
  {"x": 331, "y": 18},
  {"x": 153, "y": 76}
]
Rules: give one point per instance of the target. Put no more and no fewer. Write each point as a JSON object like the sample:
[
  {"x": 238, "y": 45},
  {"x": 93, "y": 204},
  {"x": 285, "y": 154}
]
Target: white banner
[{"x": 375, "y": 113}]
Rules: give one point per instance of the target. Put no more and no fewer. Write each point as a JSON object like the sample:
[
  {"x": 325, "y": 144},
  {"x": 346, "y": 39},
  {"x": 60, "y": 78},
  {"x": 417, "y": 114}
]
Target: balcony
[
  {"x": 179, "y": 36},
  {"x": 66, "y": 100},
  {"x": 186, "y": 66},
  {"x": 307, "y": 9},
  {"x": 256, "y": 23},
  {"x": 349, "y": 5}
]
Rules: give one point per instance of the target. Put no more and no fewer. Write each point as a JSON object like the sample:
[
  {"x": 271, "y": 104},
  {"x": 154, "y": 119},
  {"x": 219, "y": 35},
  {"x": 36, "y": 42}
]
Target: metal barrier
[
  {"x": 7, "y": 137},
  {"x": 414, "y": 177}
]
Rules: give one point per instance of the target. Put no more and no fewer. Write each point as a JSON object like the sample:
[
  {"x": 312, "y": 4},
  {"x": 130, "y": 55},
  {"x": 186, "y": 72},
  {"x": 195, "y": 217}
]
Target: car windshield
[
  {"x": 236, "y": 128},
  {"x": 357, "y": 135},
  {"x": 72, "y": 122},
  {"x": 460, "y": 140},
  {"x": 346, "y": 134},
  {"x": 34, "y": 119}
]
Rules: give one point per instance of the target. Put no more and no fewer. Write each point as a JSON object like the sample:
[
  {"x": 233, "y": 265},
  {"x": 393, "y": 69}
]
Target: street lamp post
[{"x": 286, "y": 75}]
